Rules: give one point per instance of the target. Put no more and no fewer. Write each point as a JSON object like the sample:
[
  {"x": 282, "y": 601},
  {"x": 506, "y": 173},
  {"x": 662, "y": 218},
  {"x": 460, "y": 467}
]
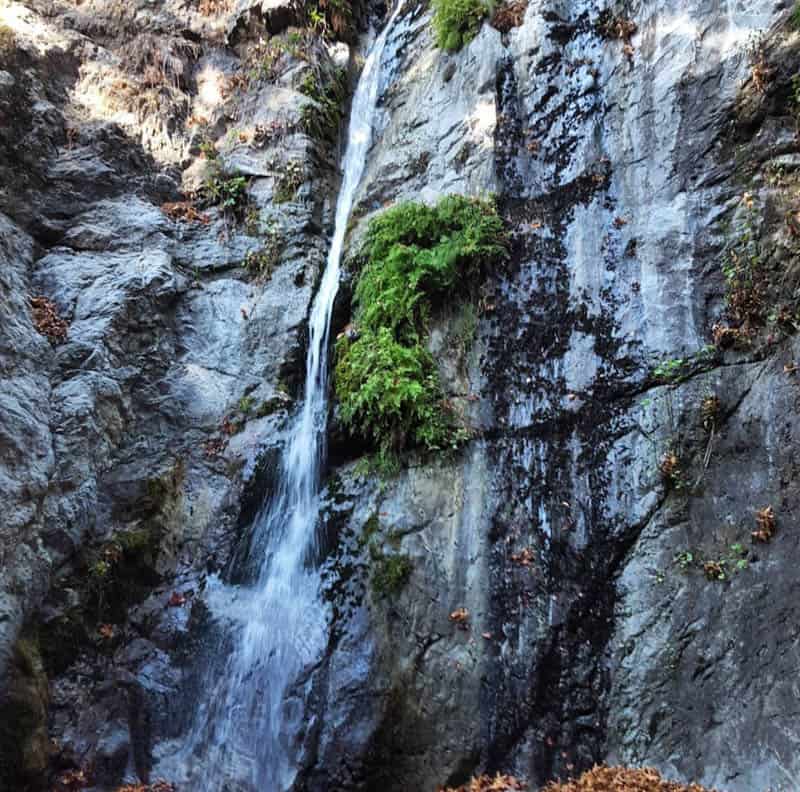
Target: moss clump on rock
[
  {"x": 390, "y": 572},
  {"x": 415, "y": 257},
  {"x": 457, "y": 22}
]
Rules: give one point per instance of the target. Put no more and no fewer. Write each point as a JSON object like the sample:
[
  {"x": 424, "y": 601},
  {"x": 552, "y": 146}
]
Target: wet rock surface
[
  {"x": 620, "y": 167},
  {"x": 140, "y": 402},
  {"x": 558, "y": 592}
]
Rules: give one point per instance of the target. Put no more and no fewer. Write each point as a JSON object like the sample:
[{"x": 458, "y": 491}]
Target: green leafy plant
[
  {"x": 718, "y": 569},
  {"x": 744, "y": 270},
  {"x": 321, "y": 117},
  {"x": 331, "y": 17},
  {"x": 457, "y": 22},
  {"x": 263, "y": 261},
  {"x": 289, "y": 182},
  {"x": 674, "y": 370},
  {"x": 794, "y": 19},
  {"x": 386, "y": 381},
  {"x": 226, "y": 190}
]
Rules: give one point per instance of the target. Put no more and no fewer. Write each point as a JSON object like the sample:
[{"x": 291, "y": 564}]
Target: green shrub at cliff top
[
  {"x": 456, "y": 22},
  {"x": 386, "y": 381}
]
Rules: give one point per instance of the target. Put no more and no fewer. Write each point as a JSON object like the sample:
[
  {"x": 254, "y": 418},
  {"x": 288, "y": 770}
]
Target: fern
[
  {"x": 456, "y": 22},
  {"x": 386, "y": 381}
]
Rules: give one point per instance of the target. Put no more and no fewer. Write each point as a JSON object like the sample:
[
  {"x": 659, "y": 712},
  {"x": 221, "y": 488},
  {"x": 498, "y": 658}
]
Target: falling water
[{"x": 247, "y": 729}]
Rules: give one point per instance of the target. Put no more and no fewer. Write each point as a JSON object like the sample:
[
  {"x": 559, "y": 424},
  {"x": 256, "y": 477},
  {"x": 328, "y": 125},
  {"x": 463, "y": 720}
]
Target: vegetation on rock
[
  {"x": 386, "y": 381},
  {"x": 390, "y": 572},
  {"x": 226, "y": 190},
  {"x": 321, "y": 117},
  {"x": 457, "y": 22},
  {"x": 332, "y": 17},
  {"x": 794, "y": 19}
]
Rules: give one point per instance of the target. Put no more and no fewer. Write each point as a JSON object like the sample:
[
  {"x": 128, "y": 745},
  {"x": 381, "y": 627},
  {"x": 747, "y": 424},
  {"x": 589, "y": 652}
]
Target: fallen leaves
[
  {"x": 185, "y": 211},
  {"x": 765, "y": 522},
  {"x": 460, "y": 617},
  {"x": 524, "y": 557},
  {"x": 106, "y": 631},
  {"x": 485, "y": 783},
  {"x": 156, "y": 786},
  {"x": 72, "y": 781},
  {"x": 509, "y": 15},
  {"x": 47, "y": 321},
  {"x": 621, "y": 779}
]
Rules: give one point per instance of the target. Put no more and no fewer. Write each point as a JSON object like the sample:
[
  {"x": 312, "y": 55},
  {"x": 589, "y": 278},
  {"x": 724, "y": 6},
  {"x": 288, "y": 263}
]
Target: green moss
[
  {"x": 794, "y": 19},
  {"x": 457, "y": 22},
  {"x": 390, "y": 573},
  {"x": 415, "y": 257},
  {"x": 369, "y": 530},
  {"x": 328, "y": 91}
]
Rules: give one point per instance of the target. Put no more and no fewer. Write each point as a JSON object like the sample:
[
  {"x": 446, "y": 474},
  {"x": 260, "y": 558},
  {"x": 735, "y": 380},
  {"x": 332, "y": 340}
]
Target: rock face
[
  {"x": 581, "y": 580},
  {"x": 599, "y": 626},
  {"x": 142, "y": 397}
]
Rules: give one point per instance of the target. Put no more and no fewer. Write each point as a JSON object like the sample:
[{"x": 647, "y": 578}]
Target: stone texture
[{"x": 589, "y": 636}]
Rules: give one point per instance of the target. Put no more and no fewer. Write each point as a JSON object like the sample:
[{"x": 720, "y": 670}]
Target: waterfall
[{"x": 246, "y": 731}]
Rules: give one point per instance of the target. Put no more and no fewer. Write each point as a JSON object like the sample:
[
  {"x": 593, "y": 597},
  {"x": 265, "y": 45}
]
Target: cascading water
[{"x": 246, "y": 729}]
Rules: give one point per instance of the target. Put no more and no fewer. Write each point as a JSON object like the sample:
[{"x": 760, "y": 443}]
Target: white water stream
[{"x": 246, "y": 732}]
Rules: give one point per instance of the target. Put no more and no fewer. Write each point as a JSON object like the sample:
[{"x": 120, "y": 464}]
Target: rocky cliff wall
[{"x": 580, "y": 581}]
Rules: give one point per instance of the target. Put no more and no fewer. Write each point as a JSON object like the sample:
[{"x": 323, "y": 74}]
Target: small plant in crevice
[
  {"x": 227, "y": 190},
  {"x": 321, "y": 117},
  {"x": 744, "y": 270},
  {"x": 289, "y": 182},
  {"x": 331, "y": 18},
  {"x": 415, "y": 257},
  {"x": 464, "y": 327},
  {"x": 457, "y": 22},
  {"x": 674, "y": 370},
  {"x": 794, "y": 17},
  {"x": 389, "y": 572},
  {"x": 263, "y": 261},
  {"x": 765, "y": 525},
  {"x": 184, "y": 211},
  {"x": 718, "y": 568}
]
